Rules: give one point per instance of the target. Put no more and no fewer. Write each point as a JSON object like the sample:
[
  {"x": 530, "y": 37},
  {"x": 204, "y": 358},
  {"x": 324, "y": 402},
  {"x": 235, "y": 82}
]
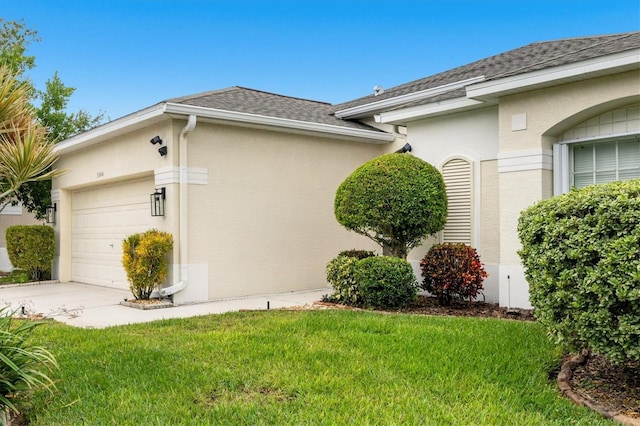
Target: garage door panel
[{"x": 102, "y": 218}]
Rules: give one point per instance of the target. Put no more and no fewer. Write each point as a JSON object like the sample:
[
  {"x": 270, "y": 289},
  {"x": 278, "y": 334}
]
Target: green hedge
[
  {"x": 341, "y": 275},
  {"x": 31, "y": 248},
  {"x": 581, "y": 252},
  {"x": 386, "y": 282}
]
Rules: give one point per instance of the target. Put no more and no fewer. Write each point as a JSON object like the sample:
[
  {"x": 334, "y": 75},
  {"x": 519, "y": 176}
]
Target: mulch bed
[
  {"x": 616, "y": 388},
  {"x": 425, "y": 305}
]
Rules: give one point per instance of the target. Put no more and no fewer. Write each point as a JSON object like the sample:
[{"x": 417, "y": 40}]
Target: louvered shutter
[{"x": 458, "y": 180}]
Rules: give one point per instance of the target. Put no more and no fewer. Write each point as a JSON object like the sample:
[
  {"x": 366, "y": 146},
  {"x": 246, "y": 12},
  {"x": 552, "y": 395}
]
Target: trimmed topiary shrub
[
  {"x": 452, "y": 272},
  {"x": 144, "y": 257},
  {"x": 32, "y": 248},
  {"x": 385, "y": 282},
  {"x": 396, "y": 200},
  {"x": 341, "y": 275},
  {"x": 581, "y": 253}
]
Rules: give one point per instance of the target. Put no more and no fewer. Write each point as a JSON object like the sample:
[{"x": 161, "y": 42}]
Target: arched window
[{"x": 458, "y": 179}]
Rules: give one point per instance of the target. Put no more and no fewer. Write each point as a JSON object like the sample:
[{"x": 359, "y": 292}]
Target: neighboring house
[
  {"x": 250, "y": 188},
  {"x": 12, "y": 216}
]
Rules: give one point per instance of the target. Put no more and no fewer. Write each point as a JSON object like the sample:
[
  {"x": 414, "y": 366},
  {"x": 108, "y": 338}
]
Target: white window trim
[{"x": 562, "y": 160}]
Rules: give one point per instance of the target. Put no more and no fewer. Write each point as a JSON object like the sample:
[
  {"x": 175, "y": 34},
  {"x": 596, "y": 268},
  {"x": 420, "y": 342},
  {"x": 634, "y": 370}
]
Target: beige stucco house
[{"x": 249, "y": 177}]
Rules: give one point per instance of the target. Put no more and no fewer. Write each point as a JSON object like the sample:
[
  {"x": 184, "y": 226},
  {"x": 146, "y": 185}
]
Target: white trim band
[
  {"x": 530, "y": 159},
  {"x": 171, "y": 174}
]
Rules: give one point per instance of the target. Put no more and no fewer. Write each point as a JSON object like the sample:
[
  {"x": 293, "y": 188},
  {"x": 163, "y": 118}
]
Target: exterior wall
[
  {"x": 264, "y": 221},
  {"x": 126, "y": 157},
  {"x": 473, "y": 136},
  {"x": 529, "y": 123}
]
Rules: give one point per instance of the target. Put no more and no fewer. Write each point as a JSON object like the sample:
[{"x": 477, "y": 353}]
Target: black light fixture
[
  {"x": 163, "y": 151},
  {"x": 51, "y": 213},
  {"x": 156, "y": 140},
  {"x": 405, "y": 148},
  {"x": 157, "y": 202}
]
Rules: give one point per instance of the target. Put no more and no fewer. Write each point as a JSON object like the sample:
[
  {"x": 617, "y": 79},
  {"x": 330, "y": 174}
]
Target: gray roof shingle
[
  {"x": 532, "y": 57},
  {"x": 250, "y": 101}
]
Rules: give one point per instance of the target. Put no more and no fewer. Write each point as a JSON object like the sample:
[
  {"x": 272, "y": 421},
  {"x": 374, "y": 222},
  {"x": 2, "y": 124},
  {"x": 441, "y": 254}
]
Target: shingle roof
[
  {"x": 250, "y": 101},
  {"x": 532, "y": 57}
]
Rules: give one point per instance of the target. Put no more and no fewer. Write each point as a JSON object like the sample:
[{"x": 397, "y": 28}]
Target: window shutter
[{"x": 457, "y": 176}]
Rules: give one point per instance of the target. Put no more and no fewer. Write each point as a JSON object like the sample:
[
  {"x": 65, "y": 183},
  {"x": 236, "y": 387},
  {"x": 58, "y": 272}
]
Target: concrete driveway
[{"x": 90, "y": 306}]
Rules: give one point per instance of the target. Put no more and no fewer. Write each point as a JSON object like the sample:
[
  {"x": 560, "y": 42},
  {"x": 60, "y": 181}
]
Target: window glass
[{"x": 602, "y": 162}]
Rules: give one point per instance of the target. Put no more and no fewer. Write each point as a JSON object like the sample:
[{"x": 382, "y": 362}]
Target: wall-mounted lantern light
[
  {"x": 156, "y": 140},
  {"x": 157, "y": 202},
  {"x": 51, "y": 213},
  {"x": 163, "y": 151}
]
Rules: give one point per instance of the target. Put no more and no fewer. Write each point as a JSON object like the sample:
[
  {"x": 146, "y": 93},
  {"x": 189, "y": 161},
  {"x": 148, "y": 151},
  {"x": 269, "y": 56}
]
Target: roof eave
[
  {"x": 111, "y": 129},
  {"x": 371, "y": 108},
  {"x": 165, "y": 110},
  {"x": 600, "y": 66},
  {"x": 281, "y": 124},
  {"x": 407, "y": 115}
]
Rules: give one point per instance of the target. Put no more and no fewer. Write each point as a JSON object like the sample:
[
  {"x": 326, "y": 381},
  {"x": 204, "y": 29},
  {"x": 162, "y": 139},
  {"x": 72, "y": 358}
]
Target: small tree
[
  {"x": 395, "y": 199},
  {"x": 48, "y": 106},
  {"x": 25, "y": 154},
  {"x": 144, "y": 259}
]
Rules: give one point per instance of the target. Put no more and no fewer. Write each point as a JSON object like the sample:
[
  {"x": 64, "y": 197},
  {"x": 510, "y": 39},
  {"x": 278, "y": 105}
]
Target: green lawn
[{"x": 305, "y": 367}]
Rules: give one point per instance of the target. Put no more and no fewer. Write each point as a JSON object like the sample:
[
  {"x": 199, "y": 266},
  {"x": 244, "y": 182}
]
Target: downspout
[{"x": 184, "y": 229}]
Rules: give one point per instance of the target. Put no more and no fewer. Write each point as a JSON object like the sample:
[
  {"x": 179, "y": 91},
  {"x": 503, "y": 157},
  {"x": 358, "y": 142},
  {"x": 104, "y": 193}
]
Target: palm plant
[
  {"x": 25, "y": 153},
  {"x": 20, "y": 361}
]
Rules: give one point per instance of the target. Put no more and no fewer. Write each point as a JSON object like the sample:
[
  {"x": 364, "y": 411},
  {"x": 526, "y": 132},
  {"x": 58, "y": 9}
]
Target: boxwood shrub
[
  {"x": 341, "y": 275},
  {"x": 581, "y": 253},
  {"x": 31, "y": 248},
  {"x": 385, "y": 282}
]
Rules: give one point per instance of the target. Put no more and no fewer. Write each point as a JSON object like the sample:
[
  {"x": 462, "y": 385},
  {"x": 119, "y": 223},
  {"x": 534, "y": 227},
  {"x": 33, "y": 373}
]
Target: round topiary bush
[
  {"x": 452, "y": 271},
  {"x": 385, "y": 282},
  {"x": 341, "y": 275},
  {"x": 581, "y": 253},
  {"x": 395, "y": 199}
]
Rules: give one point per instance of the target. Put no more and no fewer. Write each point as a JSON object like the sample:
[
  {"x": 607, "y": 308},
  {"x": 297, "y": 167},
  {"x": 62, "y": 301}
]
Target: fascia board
[
  {"x": 546, "y": 77},
  {"x": 406, "y": 115},
  {"x": 110, "y": 129},
  {"x": 284, "y": 124},
  {"x": 363, "y": 110}
]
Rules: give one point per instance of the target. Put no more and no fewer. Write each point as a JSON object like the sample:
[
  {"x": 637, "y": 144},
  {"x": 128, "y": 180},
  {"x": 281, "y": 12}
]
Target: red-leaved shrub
[{"x": 452, "y": 271}]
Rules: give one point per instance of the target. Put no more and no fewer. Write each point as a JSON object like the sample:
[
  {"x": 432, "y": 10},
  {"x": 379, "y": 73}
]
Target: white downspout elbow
[{"x": 183, "y": 202}]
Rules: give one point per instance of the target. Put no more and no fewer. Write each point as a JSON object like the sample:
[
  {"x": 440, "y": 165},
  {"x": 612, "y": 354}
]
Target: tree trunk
[{"x": 395, "y": 250}]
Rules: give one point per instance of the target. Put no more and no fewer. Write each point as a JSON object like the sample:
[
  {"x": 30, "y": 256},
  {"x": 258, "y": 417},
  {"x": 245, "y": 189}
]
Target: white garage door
[{"x": 102, "y": 218}]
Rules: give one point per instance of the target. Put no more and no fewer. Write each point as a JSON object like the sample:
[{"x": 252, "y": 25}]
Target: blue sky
[{"x": 123, "y": 56}]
